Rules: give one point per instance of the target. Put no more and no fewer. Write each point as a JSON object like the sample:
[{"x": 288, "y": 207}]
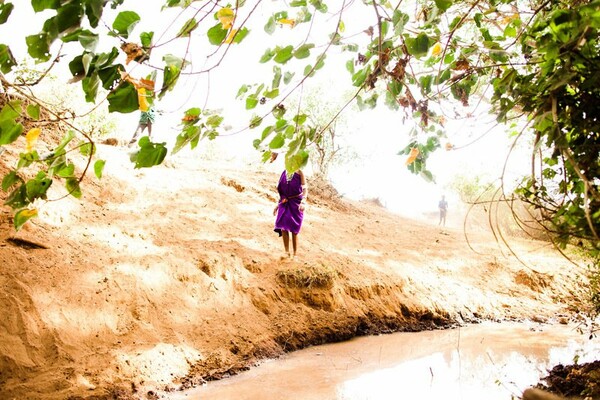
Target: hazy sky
[{"x": 375, "y": 137}]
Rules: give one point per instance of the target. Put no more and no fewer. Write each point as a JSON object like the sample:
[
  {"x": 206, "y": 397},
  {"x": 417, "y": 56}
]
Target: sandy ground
[{"x": 162, "y": 278}]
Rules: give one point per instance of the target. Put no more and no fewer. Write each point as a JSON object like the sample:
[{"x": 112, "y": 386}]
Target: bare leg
[
  {"x": 286, "y": 241},
  {"x": 138, "y": 130},
  {"x": 294, "y": 243},
  {"x": 149, "y": 130}
]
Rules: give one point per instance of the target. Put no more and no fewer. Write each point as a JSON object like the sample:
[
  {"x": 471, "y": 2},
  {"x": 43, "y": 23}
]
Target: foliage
[
  {"x": 324, "y": 115},
  {"x": 531, "y": 59}
]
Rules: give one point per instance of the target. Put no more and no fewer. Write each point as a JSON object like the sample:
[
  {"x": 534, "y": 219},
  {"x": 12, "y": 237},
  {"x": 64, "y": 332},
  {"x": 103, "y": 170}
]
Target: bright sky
[{"x": 375, "y": 137}]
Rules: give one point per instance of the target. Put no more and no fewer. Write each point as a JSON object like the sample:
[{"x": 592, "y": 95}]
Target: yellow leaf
[
  {"x": 449, "y": 146},
  {"x": 510, "y": 18},
  {"x": 32, "y": 137},
  {"x": 226, "y": 17},
  {"x": 144, "y": 106},
  {"x": 29, "y": 213},
  {"x": 290, "y": 22},
  {"x": 414, "y": 153},
  {"x": 230, "y": 36},
  {"x": 437, "y": 49}
]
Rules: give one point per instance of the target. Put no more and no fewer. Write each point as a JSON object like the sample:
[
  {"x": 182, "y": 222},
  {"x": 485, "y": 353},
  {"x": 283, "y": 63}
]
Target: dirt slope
[{"x": 168, "y": 276}]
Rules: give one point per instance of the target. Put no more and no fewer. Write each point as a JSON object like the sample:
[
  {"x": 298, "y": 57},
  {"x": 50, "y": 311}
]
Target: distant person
[
  {"x": 443, "y": 206},
  {"x": 289, "y": 211},
  {"x": 146, "y": 121}
]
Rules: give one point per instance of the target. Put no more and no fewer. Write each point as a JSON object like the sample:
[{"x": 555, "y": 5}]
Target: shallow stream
[{"x": 486, "y": 361}]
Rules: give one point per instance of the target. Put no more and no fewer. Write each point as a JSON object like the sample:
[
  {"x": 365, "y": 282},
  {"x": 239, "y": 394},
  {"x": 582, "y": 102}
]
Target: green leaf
[
  {"x": 10, "y": 180},
  {"x": 320, "y": 62},
  {"x": 87, "y": 149},
  {"x": 418, "y": 46},
  {"x": 93, "y": 10},
  {"x": 38, "y": 46},
  {"x": 443, "y": 5},
  {"x": 124, "y": 99},
  {"x": 251, "y": 102},
  {"x": 277, "y": 142},
  {"x": 425, "y": 83},
  {"x": 146, "y": 39},
  {"x": 11, "y": 111},
  {"x": 104, "y": 60},
  {"x": 255, "y": 122},
  {"x": 7, "y": 61},
  {"x": 193, "y": 112},
  {"x": 187, "y": 28},
  {"x": 26, "y": 159},
  {"x": 303, "y": 51},
  {"x": 320, "y": 6},
  {"x": 60, "y": 150},
  {"x": 9, "y": 131},
  {"x": 358, "y": 79},
  {"x": 64, "y": 170},
  {"x": 38, "y": 186},
  {"x": 296, "y": 161},
  {"x": 22, "y": 216},
  {"x": 510, "y": 31},
  {"x": 283, "y": 55},
  {"x": 271, "y": 94},
  {"x": 287, "y": 77},
  {"x": 267, "y": 56},
  {"x": 87, "y": 39},
  {"x": 216, "y": 34},
  {"x": 72, "y": 185},
  {"x": 90, "y": 87},
  {"x": 427, "y": 176},
  {"x": 17, "y": 198},
  {"x": 300, "y": 119},
  {"x": 33, "y": 110},
  {"x": 41, "y": 5},
  {"x": 391, "y": 101},
  {"x": 399, "y": 20},
  {"x": 309, "y": 70},
  {"x": 350, "y": 66},
  {"x": 240, "y": 35},
  {"x": 110, "y": 75},
  {"x": 171, "y": 75},
  {"x": 188, "y": 135},
  {"x": 68, "y": 17},
  {"x": 5, "y": 11},
  {"x": 125, "y": 23},
  {"x": 242, "y": 91},
  {"x": 150, "y": 154},
  {"x": 276, "y": 77},
  {"x": 270, "y": 25},
  {"x": 214, "y": 121}
]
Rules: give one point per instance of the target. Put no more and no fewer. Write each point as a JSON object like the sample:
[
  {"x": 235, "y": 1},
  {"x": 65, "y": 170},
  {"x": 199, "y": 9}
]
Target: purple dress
[{"x": 289, "y": 216}]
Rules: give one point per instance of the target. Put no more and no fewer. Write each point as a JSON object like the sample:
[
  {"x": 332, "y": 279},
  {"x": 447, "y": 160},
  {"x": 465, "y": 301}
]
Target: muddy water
[{"x": 488, "y": 361}]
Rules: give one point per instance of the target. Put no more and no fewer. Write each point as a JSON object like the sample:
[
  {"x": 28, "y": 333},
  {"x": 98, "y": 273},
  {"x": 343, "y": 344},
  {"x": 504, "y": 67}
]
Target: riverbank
[
  {"x": 492, "y": 361},
  {"x": 167, "y": 277}
]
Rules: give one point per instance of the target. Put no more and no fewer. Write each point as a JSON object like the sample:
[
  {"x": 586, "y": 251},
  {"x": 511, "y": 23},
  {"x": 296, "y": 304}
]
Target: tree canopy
[{"x": 534, "y": 61}]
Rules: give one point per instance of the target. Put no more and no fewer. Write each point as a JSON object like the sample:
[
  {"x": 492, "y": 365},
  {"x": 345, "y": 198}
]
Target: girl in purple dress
[{"x": 289, "y": 211}]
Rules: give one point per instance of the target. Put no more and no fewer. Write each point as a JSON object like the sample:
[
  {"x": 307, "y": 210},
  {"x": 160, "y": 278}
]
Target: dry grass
[{"x": 308, "y": 276}]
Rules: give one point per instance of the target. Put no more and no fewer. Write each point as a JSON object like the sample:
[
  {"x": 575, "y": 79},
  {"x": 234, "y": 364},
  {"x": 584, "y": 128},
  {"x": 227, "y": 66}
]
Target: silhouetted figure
[
  {"x": 443, "y": 206},
  {"x": 146, "y": 121}
]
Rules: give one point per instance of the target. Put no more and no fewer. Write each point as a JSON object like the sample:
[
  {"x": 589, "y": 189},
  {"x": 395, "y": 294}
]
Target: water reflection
[{"x": 489, "y": 361}]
